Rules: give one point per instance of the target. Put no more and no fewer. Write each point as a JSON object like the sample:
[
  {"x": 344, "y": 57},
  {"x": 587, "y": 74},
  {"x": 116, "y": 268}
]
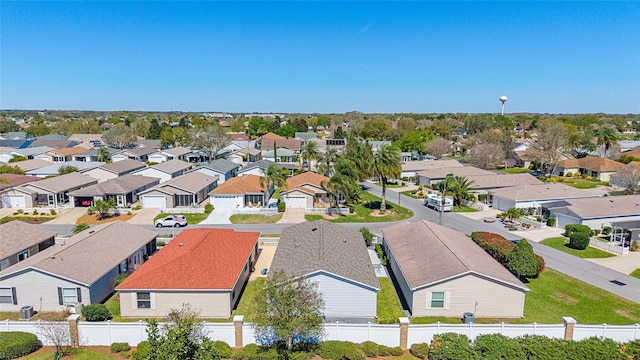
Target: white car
[{"x": 172, "y": 220}]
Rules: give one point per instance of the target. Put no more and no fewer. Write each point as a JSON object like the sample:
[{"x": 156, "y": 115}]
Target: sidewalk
[
  {"x": 292, "y": 216},
  {"x": 68, "y": 216},
  {"x": 144, "y": 217}
]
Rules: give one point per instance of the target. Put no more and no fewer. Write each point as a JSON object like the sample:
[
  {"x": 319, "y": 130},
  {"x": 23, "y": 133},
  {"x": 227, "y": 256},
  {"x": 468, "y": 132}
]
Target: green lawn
[
  {"x": 254, "y": 219},
  {"x": 76, "y": 354},
  {"x": 464, "y": 209},
  {"x": 246, "y": 298},
  {"x": 562, "y": 244},
  {"x": 635, "y": 273},
  {"x": 388, "y": 304},
  {"x": 29, "y": 219},
  {"x": 580, "y": 183},
  {"x": 191, "y": 218},
  {"x": 409, "y": 193},
  {"x": 514, "y": 170},
  {"x": 363, "y": 212},
  {"x": 554, "y": 295}
]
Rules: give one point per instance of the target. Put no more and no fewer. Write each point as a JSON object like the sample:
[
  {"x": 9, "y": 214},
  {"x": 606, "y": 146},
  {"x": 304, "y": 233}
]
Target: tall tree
[
  {"x": 360, "y": 154},
  {"x": 7, "y": 125},
  {"x": 103, "y": 154},
  {"x": 343, "y": 182},
  {"x": 273, "y": 177},
  {"x": 310, "y": 152},
  {"x": 287, "y": 308},
  {"x": 486, "y": 155},
  {"x": 119, "y": 137},
  {"x": 385, "y": 164},
  {"x": 445, "y": 188},
  {"x": 629, "y": 177},
  {"x": 549, "y": 142},
  {"x": 460, "y": 189},
  {"x": 438, "y": 147},
  {"x": 606, "y": 136},
  {"x": 326, "y": 161},
  {"x": 155, "y": 130},
  {"x": 209, "y": 138}
]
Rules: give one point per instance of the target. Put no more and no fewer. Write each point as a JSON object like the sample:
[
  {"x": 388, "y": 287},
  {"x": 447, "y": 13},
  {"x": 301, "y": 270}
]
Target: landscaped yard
[
  {"x": 635, "y": 273},
  {"x": 93, "y": 353},
  {"x": 409, "y": 193},
  {"x": 554, "y": 295},
  {"x": 388, "y": 308},
  {"x": 254, "y": 219},
  {"x": 562, "y": 244},
  {"x": 464, "y": 209},
  {"x": 33, "y": 219},
  {"x": 246, "y": 298},
  {"x": 191, "y": 218},
  {"x": 389, "y": 185},
  {"x": 514, "y": 170},
  {"x": 368, "y": 211},
  {"x": 93, "y": 219},
  {"x": 579, "y": 183}
]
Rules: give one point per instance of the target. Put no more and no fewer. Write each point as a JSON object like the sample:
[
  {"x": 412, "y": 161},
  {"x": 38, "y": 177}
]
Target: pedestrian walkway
[{"x": 292, "y": 216}]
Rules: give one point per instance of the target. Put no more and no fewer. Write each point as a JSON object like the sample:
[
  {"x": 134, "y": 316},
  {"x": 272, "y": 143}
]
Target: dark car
[{"x": 536, "y": 172}]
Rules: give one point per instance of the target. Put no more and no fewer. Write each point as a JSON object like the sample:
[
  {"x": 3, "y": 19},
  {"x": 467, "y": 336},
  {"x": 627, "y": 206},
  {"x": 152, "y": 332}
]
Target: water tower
[{"x": 503, "y": 99}]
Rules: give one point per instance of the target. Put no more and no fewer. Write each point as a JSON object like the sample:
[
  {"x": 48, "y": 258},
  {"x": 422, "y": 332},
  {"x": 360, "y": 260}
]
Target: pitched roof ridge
[
  {"x": 199, "y": 241},
  {"x": 464, "y": 263}
]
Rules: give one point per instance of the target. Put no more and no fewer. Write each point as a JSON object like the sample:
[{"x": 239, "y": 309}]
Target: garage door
[
  {"x": 224, "y": 202},
  {"x": 563, "y": 221},
  {"x": 154, "y": 201},
  {"x": 296, "y": 202},
  {"x": 13, "y": 201}
]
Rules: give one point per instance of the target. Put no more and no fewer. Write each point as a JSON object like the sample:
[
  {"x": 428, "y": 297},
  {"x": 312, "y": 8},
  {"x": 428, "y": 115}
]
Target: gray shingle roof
[
  {"x": 191, "y": 182},
  {"x": 330, "y": 247},
  {"x": 54, "y": 168},
  {"x": 88, "y": 256},
  {"x": 432, "y": 164},
  {"x": 548, "y": 191},
  {"x": 123, "y": 166},
  {"x": 502, "y": 180},
  {"x": 441, "y": 173},
  {"x": 121, "y": 185},
  {"x": 63, "y": 182},
  {"x": 18, "y": 235},
  {"x": 172, "y": 166},
  {"x": 221, "y": 165},
  {"x": 610, "y": 206},
  {"x": 428, "y": 253}
]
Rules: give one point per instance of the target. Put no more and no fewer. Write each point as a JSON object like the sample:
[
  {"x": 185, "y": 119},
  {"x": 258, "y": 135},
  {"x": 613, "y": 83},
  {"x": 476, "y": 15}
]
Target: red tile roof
[
  {"x": 196, "y": 259},
  {"x": 291, "y": 144},
  {"x": 592, "y": 163},
  {"x": 309, "y": 177},
  {"x": 239, "y": 185},
  {"x": 271, "y": 136}
]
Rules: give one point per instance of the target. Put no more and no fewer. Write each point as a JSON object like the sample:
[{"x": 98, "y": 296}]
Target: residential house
[
  {"x": 280, "y": 155},
  {"x": 597, "y": 212},
  {"x": 47, "y": 192},
  {"x": 432, "y": 176},
  {"x": 123, "y": 190},
  {"x": 114, "y": 169},
  {"x": 336, "y": 259},
  {"x": 443, "y": 273},
  {"x": 8, "y": 181},
  {"x": 522, "y": 158},
  {"x": 21, "y": 240},
  {"x": 410, "y": 168},
  {"x": 222, "y": 168},
  {"x": 241, "y": 191},
  {"x": 306, "y": 191},
  {"x": 187, "y": 190},
  {"x": 596, "y": 167},
  {"x": 208, "y": 268},
  {"x": 15, "y": 144},
  {"x": 305, "y": 137},
  {"x": 180, "y": 153},
  {"x": 166, "y": 171},
  {"x": 54, "y": 169},
  {"x": 32, "y": 164},
  {"x": 483, "y": 183},
  {"x": 88, "y": 141},
  {"x": 29, "y": 153},
  {"x": 60, "y": 155},
  {"x": 77, "y": 270},
  {"x": 54, "y": 144},
  {"x": 245, "y": 155},
  {"x": 90, "y": 155},
  {"x": 139, "y": 154},
  {"x": 259, "y": 168},
  {"x": 534, "y": 196},
  {"x": 622, "y": 181}
]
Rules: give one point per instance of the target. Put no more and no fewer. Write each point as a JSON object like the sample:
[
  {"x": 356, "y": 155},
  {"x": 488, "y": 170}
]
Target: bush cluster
[
  {"x": 208, "y": 208},
  {"x": 576, "y": 228},
  {"x": 120, "y": 347},
  {"x": 256, "y": 352},
  {"x": 420, "y": 350},
  {"x": 341, "y": 350},
  {"x": 15, "y": 344},
  {"x": 372, "y": 349},
  {"x": 281, "y": 206},
  {"x": 606, "y": 230},
  {"x": 96, "y": 312},
  {"x": 579, "y": 240},
  {"x": 499, "y": 248}
]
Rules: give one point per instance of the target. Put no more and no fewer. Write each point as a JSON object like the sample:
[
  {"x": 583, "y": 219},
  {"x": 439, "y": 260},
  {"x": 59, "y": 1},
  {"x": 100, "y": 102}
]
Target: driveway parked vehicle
[{"x": 172, "y": 220}]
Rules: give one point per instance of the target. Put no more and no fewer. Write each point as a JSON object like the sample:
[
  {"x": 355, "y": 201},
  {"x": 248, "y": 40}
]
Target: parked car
[
  {"x": 172, "y": 220},
  {"x": 536, "y": 172}
]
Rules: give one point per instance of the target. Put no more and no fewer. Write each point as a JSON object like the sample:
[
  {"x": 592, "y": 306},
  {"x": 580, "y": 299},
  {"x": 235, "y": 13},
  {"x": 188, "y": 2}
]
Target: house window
[
  {"x": 69, "y": 295},
  {"x": 437, "y": 300},
  {"x": 6, "y": 296},
  {"x": 23, "y": 255},
  {"x": 144, "y": 300}
]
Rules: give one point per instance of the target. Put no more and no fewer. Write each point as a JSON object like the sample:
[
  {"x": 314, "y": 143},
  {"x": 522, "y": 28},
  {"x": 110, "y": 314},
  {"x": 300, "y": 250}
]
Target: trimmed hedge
[
  {"x": 256, "y": 352},
  {"x": 420, "y": 350},
  {"x": 450, "y": 346},
  {"x": 576, "y": 228},
  {"x": 96, "y": 312},
  {"x": 498, "y": 346},
  {"x": 341, "y": 350},
  {"x": 499, "y": 248},
  {"x": 117, "y": 347},
  {"x": 372, "y": 349},
  {"x": 15, "y": 344},
  {"x": 142, "y": 351},
  {"x": 537, "y": 347},
  {"x": 579, "y": 241}
]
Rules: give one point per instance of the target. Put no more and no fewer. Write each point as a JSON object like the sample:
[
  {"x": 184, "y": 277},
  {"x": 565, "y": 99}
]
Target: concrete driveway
[
  {"x": 218, "y": 216},
  {"x": 292, "y": 216},
  {"x": 144, "y": 217},
  {"x": 68, "y": 216}
]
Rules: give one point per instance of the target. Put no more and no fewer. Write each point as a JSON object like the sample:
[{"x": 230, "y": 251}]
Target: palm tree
[
  {"x": 445, "y": 187},
  {"x": 606, "y": 136},
  {"x": 103, "y": 154},
  {"x": 344, "y": 182},
  {"x": 360, "y": 154},
  {"x": 329, "y": 157},
  {"x": 513, "y": 214},
  {"x": 460, "y": 188},
  {"x": 385, "y": 164},
  {"x": 273, "y": 178},
  {"x": 309, "y": 152}
]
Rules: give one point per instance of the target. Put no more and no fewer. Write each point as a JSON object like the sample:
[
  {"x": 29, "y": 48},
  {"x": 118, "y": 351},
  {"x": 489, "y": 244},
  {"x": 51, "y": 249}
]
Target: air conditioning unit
[{"x": 75, "y": 308}]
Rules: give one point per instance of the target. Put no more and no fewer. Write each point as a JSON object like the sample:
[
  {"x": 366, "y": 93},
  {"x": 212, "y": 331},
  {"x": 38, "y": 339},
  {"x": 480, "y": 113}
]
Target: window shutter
[
  {"x": 14, "y": 296},
  {"x": 427, "y": 304},
  {"x": 60, "y": 296},
  {"x": 447, "y": 299},
  {"x": 152, "y": 296},
  {"x": 134, "y": 300},
  {"x": 79, "y": 294}
]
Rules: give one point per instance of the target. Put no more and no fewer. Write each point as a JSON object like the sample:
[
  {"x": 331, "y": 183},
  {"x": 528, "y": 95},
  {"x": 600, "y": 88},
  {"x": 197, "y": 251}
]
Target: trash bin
[
  {"x": 468, "y": 317},
  {"x": 26, "y": 312},
  {"x": 264, "y": 271}
]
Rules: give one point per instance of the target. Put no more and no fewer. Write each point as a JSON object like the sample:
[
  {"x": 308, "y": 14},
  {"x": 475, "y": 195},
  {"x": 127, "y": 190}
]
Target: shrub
[
  {"x": 396, "y": 351},
  {"x": 540, "y": 264},
  {"x": 96, "y": 312},
  {"x": 551, "y": 222},
  {"x": 15, "y": 344},
  {"x": 568, "y": 174},
  {"x": 340, "y": 350},
  {"x": 117, "y": 347},
  {"x": 208, "y": 208},
  {"x": 593, "y": 348},
  {"x": 20, "y": 211},
  {"x": 632, "y": 348},
  {"x": 255, "y": 352},
  {"x": 606, "y": 230},
  {"x": 495, "y": 245},
  {"x": 371, "y": 349},
  {"x": 367, "y": 235},
  {"x": 537, "y": 347},
  {"x": 142, "y": 351},
  {"x": 498, "y": 346},
  {"x": 119, "y": 279},
  {"x": 634, "y": 245},
  {"x": 483, "y": 197},
  {"x": 574, "y": 228},
  {"x": 210, "y": 349},
  {"x": 521, "y": 260},
  {"x": 52, "y": 211},
  {"x": 381, "y": 255},
  {"x": 137, "y": 207},
  {"x": 420, "y": 350},
  {"x": 35, "y": 212},
  {"x": 451, "y": 346},
  {"x": 579, "y": 241},
  {"x": 160, "y": 243},
  {"x": 282, "y": 206}
]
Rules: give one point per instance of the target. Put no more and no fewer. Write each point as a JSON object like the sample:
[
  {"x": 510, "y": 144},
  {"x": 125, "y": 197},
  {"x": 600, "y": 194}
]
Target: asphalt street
[{"x": 584, "y": 270}]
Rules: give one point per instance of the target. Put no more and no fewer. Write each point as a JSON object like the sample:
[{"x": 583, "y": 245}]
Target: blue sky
[{"x": 547, "y": 57}]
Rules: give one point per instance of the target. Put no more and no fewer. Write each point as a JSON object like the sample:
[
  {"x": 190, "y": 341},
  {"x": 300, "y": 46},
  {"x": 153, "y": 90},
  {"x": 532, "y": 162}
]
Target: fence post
[
  {"x": 238, "y": 320},
  {"x": 74, "y": 336},
  {"x": 404, "y": 332},
  {"x": 569, "y": 324}
]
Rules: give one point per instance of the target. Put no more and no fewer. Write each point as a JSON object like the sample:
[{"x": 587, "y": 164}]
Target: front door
[
  {"x": 120, "y": 201},
  {"x": 51, "y": 200}
]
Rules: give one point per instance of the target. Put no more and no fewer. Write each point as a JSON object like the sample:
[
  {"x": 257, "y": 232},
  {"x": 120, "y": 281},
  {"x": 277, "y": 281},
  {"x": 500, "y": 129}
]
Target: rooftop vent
[
  {"x": 181, "y": 244},
  {"x": 344, "y": 241},
  {"x": 297, "y": 245},
  {"x": 314, "y": 228}
]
